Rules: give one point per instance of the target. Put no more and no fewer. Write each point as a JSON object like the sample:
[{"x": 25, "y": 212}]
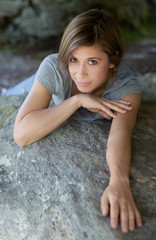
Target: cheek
[
  {"x": 101, "y": 74},
  {"x": 71, "y": 69}
]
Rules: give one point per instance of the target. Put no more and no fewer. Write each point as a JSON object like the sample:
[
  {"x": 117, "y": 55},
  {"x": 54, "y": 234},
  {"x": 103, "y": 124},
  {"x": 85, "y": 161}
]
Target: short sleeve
[
  {"x": 124, "y": 84},
  {"x": 47, "y": 74}
]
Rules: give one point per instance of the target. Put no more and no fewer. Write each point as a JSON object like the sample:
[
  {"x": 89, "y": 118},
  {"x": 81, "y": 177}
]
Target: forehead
[{"x": 89, "y": 52}]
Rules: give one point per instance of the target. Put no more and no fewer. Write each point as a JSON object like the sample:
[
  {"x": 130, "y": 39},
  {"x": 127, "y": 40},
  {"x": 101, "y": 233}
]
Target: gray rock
[
  {"x": 148, "y": 86},
  {"x": 38, "y": 18},
  {"x": 10, "y": 8},
  {"x": 51, "y": 189},
  {"x": 15, "y": 68},
  {"x": 8, "y": 105}
]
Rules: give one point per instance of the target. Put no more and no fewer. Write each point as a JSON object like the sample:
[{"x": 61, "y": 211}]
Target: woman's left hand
[{"x": 117, "y": 201}]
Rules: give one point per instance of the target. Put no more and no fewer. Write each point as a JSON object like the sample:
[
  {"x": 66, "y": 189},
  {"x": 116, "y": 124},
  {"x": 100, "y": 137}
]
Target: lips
[{"x": 83, "y": 84}]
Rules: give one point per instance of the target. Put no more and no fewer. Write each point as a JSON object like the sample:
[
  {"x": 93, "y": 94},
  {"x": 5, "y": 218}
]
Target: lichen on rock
[{"x": 8, "y": 105}]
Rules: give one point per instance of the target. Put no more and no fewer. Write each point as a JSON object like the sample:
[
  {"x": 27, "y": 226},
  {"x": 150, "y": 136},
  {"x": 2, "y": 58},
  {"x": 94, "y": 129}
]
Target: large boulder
[
  {"x": 21, "y": 20},
  {"x": 51, "y": 189}
]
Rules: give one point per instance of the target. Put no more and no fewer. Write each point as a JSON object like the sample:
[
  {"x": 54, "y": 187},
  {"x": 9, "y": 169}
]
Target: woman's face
[{"x": 89, "y": 68}]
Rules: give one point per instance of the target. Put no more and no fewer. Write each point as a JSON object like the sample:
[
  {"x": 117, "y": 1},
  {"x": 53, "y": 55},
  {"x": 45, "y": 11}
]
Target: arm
[
  {"x": 35, "y": 120},
  {"x": 117, "y": 198}
]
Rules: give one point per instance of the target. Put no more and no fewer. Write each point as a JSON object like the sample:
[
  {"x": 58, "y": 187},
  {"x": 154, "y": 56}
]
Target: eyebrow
[
  {"x": 95, "y": 58},
  {"x": 88, "y": 58}
]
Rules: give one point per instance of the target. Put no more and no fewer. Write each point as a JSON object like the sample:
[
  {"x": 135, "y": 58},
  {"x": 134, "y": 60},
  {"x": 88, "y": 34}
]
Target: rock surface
[
  {"x": 147, "y": 84},
  {"x": 51, "y": 189},
  {"x": 31, "y": 19},
  {"x": 15, "y": 68},
  {"x": 8, "y": 106}
]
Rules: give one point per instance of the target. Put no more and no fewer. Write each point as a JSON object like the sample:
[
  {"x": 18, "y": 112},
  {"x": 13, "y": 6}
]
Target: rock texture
[
  {"x": 40, "y": 19},
  {"x": 15, "y": 68},
  {"x": 8, "y": 105},
  {"x": 147, "y": 83},
  {"x": 51, "y": 189}
]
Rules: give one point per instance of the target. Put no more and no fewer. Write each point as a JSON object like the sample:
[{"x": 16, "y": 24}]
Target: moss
[
  {"x": 8, "y": 111},
  {"x": 5, "y": 113}
]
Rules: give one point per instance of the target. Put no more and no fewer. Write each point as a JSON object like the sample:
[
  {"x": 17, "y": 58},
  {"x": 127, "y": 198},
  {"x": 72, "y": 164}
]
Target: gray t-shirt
[{"x": 59, "y": 85}]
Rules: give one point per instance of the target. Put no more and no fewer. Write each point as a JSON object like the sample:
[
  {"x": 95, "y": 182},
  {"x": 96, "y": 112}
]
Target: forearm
[
  {"x": 117, "y": 199},
  {"x": 119, "y": 154},
  {"x": 37, "y": 124}
]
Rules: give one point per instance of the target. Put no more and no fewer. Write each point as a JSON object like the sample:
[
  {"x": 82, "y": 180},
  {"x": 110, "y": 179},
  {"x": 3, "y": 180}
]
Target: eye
[
  {"x": 72, "y": 59},
  {"x": 92, "y": 62}
]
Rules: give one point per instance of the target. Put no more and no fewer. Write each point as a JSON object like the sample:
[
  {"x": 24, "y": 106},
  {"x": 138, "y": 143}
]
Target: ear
[
  {"x": 111, "y": 65},
  {"x": 114, "y": 59}
]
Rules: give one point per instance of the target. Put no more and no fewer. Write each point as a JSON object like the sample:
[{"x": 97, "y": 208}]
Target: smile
[{"x": 83, "y": 84}]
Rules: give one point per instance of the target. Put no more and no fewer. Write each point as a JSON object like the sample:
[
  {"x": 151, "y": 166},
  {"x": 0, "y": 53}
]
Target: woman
[{"x": 87, "y": 77}]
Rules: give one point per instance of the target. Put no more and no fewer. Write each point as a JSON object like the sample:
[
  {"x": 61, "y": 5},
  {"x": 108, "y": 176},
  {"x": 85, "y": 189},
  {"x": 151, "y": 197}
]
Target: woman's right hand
[{"x": 103, "y": 106}]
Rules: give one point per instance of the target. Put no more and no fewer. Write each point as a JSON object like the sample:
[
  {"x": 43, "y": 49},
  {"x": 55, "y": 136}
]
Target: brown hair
[{"x": 89, "y": 28}]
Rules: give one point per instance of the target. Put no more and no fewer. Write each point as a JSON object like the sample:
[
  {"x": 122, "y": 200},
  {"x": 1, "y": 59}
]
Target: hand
[
  {"x": 117, "y": 201},
  {"x": 104, "y": 107}
]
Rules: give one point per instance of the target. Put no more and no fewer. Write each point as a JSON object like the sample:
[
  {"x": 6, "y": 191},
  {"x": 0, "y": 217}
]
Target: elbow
[{"x": 20, "y": 139}]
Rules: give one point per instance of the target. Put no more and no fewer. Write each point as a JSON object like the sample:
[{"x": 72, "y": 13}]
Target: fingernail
[
  {"x": 132, "y": 228},
  {"x": 125, "y": 230}
]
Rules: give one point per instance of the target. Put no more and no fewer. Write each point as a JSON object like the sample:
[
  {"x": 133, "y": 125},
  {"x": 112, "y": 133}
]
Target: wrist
[
  {"x": 119, "y": 173},
  {"x": 79, "y": 100},
  {"x": 119, "y": 178}
]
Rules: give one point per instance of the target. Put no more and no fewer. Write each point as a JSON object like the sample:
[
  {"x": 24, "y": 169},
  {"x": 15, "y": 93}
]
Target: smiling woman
[
  {"x": 90, "y": 68},
  {"x": 89, "y": 28},
  {"x": 87, "y": 75}
]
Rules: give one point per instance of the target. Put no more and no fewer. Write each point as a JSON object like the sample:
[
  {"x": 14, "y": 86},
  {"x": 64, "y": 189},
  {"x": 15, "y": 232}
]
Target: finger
[
  {"x": 123, "y": 105},
  {"x": 104, "y": 205},
  {"x": 118, "y": 101},
  {"x": 105, "y": 115},
  {"x": 108, "y": 111},
  {"x": 131, "y": 219},
  {"x": 123, "y": 101},
  {"x": 138, "y": 218},
  {"x": 117, "y": 107},
  {"x": 114, "y": 215},
  {"x": 124, "y": 218}
]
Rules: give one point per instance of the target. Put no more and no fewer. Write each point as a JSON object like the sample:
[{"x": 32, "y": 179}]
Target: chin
[{"x": 84, "y": 91}]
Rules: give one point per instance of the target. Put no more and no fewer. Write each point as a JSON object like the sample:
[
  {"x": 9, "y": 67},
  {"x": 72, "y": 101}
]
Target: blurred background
[{"x": 32, "y": 29}]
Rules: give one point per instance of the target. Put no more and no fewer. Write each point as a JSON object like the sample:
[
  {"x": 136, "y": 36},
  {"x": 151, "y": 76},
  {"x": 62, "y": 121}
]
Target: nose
[{"x": 81, "y": 71}]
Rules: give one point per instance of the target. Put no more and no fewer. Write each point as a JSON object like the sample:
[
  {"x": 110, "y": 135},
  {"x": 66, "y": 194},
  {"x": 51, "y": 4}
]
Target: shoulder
[
  {"x": 124, "y": 84},
  {"x": 49, "y": 74},
  {"x": 125, "y": 73},
  {"x": 50, "y": 61}
]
